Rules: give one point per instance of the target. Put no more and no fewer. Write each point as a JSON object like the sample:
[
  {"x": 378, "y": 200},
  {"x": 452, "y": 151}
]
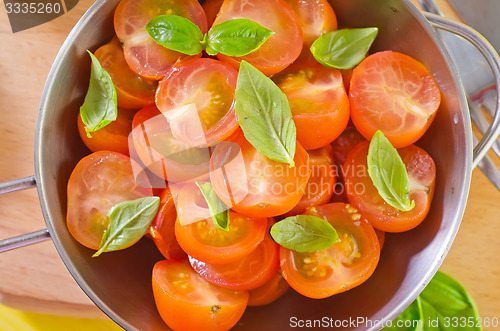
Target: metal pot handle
[{"x": 28, "y": 238}]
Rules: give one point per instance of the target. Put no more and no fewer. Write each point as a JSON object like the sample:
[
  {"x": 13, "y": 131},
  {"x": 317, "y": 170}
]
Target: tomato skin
[
  {"x": 254, "y": 185},
  {"x": 162, "y": 229},
  {"x": 132, "y": 91},
  {"x": 211, "y": 8},
  {"x": 282, "y": 48},
  {"x": 251, "y": 271},
  {"x": 269, "y": 292},
  {"x": 318, "y": 101},
  {"x": 98, "y": 182},
  {"x": 203, "y": 241},
  {"x": 113, "y": 137},
  {"x": 421, "y": 173},
  {"x": 342, "y": 266},
  {"x": 394, "y": 93},
  {"x": 199, "y": 305}
]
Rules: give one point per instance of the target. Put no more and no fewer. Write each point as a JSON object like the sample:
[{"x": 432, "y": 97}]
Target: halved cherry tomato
[
  {"x": 342, "y": 266},
  {"x": 98, "y": 182},
  {"x": 186, "y": 301},
  {"x": 321, "y": 184},
  {"x": 144, "y": 56},
  {"x": 162, "y": 228},
  {"x": 365, "y": 197},
  {"x": 268, "y": 292},
  {"x": 211, "y": 8},
  {"x": 203, "y": 241},
  {"x": 255, "y": 185},
  {"x": 132, "y": 91},
  {"x": 394, "y": 93},
  {"x": 113, "y": 137},
  {"x": 282, "y": 48},
  {"x": 249, "y": 272},
  {"x": 318, "y": 101},
  {"x": 381, "y": 237},
  {"x": 345, "y": 143},
  {"x": 162, "y": 153},
  {"x": 209, "y": 85}
]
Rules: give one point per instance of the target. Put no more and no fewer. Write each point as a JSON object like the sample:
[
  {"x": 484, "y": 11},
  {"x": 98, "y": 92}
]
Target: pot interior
[{"x": 120, "y": 282}]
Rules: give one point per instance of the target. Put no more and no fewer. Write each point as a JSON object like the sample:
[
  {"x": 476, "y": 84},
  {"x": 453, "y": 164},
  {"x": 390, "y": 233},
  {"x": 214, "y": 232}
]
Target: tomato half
[
  {"x": 282, "y": 48},
  {"x": 394, "y": 93},
  {"x": 318, "y": 101},
  {"x": 98, "y": 182},
  {"x": 268, "y": 292},
  {"x": 186, "y": 301},
  {"x": 144, "y": 56},
  {"x": 203, "y": 241},
  {"x": 364, "y": 196},
  {"x": 162, "y": 229},
  {"x": 321, "y": 184},
  {"x": 254, "y": 185},
  {"x": 211, "y": 8},
  {"x": 209, "y": 85},
  {"x": 113, "y": 137},
  {"x": 132, "y": 91},
  {"x": 342, "y": 266},
  {"x": 249, "y": 272}
]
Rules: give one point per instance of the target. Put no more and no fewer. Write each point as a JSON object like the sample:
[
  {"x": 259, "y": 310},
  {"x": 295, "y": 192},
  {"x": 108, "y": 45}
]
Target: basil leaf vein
[
  {"x": 264, "y": 115},
  {"x": 100, "y": 105},
  {"x": 128, "y": 222},
  {"x": 218, "y": 209}
]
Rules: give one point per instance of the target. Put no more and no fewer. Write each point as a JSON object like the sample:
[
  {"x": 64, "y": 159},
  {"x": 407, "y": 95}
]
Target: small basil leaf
[
  {"x": 176, "y": 33},
  {"x": 343, "y": 49},
  {"x": 100, "y": 107},
  {"x": 128, "y": 222},
  {"x": 304, "y": 233},
  {"x": 264, "y": 115},
  {"x": 218, "y": 209},
  {"x": 388, "y": 173},
  {"x": 237, "y": 37}
]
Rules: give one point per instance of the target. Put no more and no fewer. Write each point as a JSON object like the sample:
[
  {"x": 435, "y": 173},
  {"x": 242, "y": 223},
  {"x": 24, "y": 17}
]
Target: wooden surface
[{"x": 34, "y": 278}]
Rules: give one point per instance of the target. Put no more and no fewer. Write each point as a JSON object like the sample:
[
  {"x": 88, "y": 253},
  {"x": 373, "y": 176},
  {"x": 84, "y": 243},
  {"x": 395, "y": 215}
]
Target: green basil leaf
[
  {"x": 237, "y": 37},
  {"x": 410, "y": 319},
  {"x": 218, "y": 209},
  {"x": 343, "y": 49},
  {"x": 304, "y": 233},
  {"x": 264, "y": 115},
  {"x": 388, "y": 173},
  {"x": 128, "y": 222},
  {"x": 100, "y": 107},
  {"x": 176, "y": 33}
]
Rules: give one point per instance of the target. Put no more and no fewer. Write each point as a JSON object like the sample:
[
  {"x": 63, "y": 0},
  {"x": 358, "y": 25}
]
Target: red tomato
[
  {"x": 268, "y": 292},
  {"x": 209, "y": 85},
  {"x": 162, "y": 229},
  {"x": 98, "y": 182},
  {"x": 342, "y": 266},
  {"x": 113, "y": 137},
  {"x": 381, "y": 237},
  {"x": 132, "y": 91},
  {"x": 203, "y": 241},
  {"x": 282, "y": 48},
  {"x": 162, "y": 153},
  {"x": 318, "y": 101},
  {"x": 186, "y": 301},
  {"x": 254, "y": 185},
  {"x": 394, "y": 93},
  {"x": 365, "y": 197},
  {"x": 211, "y": 8},
  {"x": 345, "y": 143},
  {"x": 249, "y": 272},
  {"x": 321, "y": 184},
  {"x": 144, "y": 56}
]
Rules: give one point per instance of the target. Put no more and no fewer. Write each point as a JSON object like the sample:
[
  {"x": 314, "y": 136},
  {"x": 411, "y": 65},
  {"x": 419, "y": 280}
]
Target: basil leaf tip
[
  {"x": 100, "y": 105},
  {"x": 264, "y": 115},
  {"x": 388, "y": 173},
  {"x": 128, "y": 222},
  {"x": 304, "y": 233},
  {"x": 218, "y": 209}
]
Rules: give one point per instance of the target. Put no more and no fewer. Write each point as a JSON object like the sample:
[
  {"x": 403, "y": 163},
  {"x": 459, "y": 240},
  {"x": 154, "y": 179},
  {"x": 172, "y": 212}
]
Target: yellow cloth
[{"x": 17, "y": 320}]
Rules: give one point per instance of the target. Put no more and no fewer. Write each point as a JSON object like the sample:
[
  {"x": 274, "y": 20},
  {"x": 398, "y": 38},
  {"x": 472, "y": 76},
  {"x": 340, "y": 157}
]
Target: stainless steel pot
[{"x": 119, "y": 283}]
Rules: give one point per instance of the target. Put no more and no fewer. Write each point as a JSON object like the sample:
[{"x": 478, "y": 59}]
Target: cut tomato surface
[{"x": 394, "y": 93}]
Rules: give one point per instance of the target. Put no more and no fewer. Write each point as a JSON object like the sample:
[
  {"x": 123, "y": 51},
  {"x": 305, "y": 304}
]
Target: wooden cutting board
[{"x": 34, "y": 278}]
